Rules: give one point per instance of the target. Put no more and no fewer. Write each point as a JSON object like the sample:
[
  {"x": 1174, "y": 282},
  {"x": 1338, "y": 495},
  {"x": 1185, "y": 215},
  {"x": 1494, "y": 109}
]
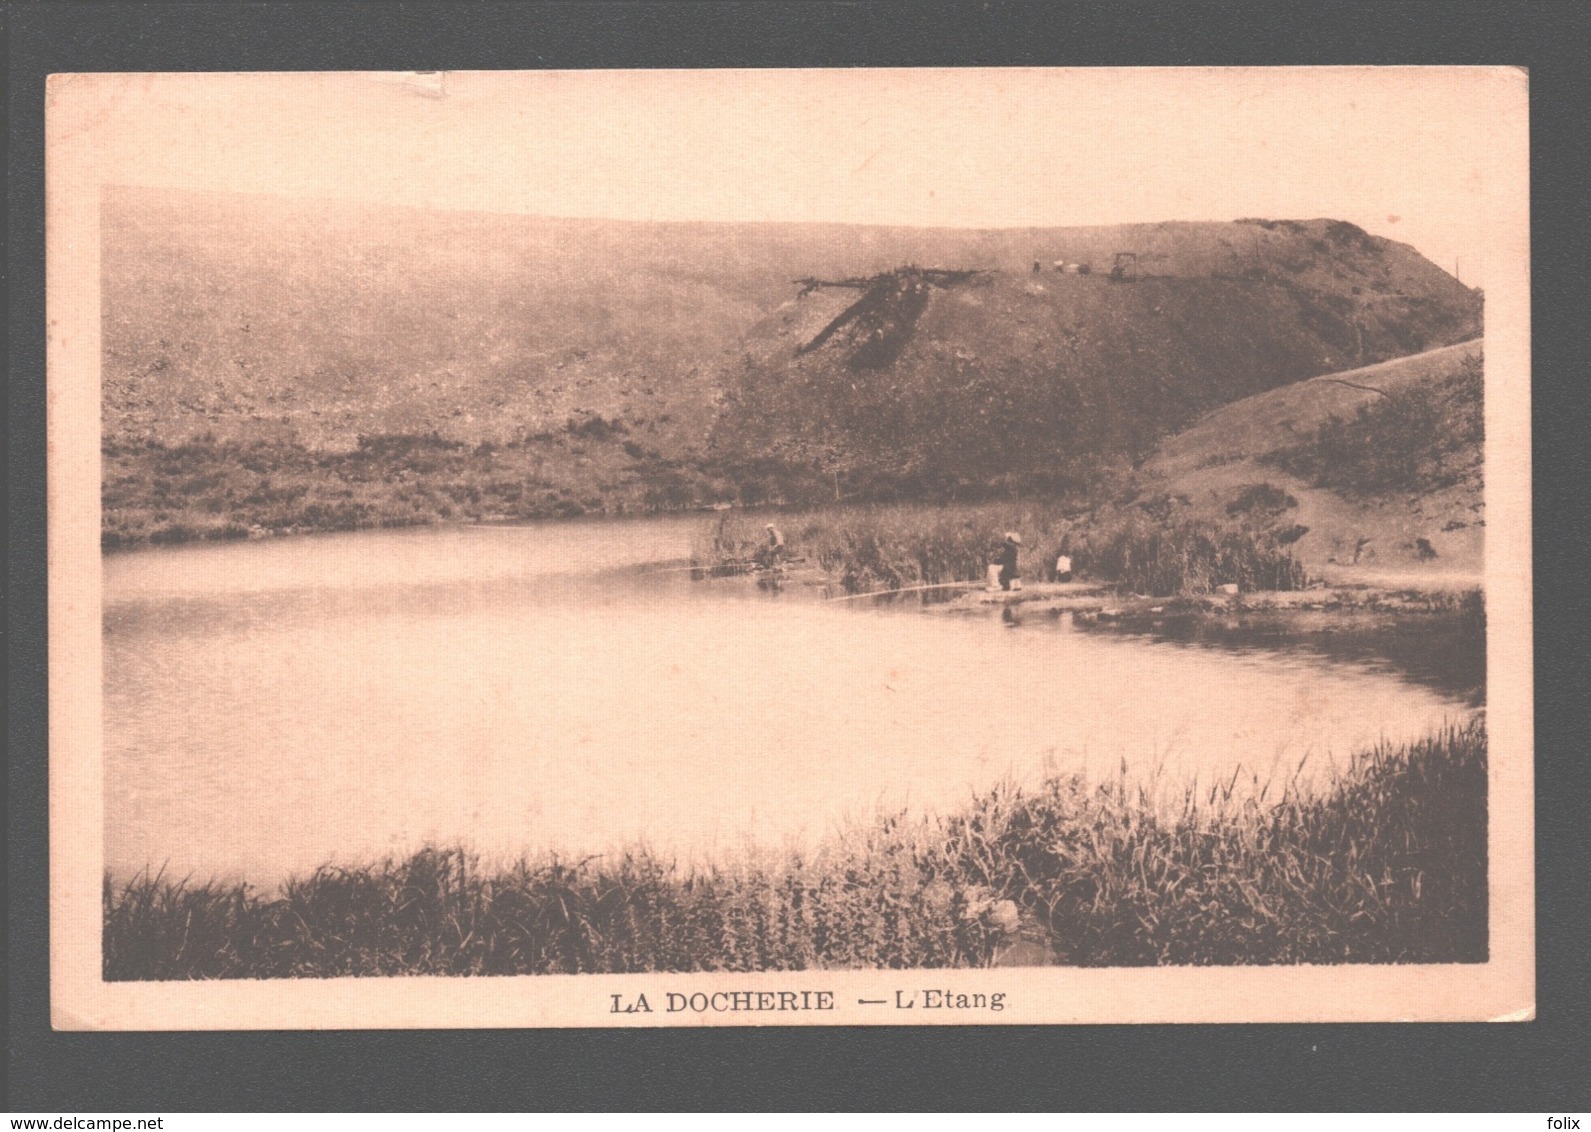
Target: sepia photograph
[{"x": 789, "y": 547}]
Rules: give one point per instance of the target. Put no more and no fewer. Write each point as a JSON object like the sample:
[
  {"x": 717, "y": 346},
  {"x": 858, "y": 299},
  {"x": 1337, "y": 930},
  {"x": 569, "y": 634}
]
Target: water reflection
[{"x": 1446, "y": 652}]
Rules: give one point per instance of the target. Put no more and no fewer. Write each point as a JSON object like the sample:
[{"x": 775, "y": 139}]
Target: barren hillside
[
  {"x": 273, "y": 364},
  {"x": 321, "y": 321},
  {"x": 934, "y": 384}
]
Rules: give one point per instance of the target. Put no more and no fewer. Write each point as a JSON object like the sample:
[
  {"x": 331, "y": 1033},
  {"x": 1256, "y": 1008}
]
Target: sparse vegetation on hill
[
  {"x": 303, "y": 329},
  {"x": 215, "y": 489},
  {"x": 1373, "y": 469},
  {"x": 1422, "y": 437}
]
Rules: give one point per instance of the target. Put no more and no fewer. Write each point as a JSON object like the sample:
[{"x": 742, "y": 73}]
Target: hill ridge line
[{"x": 873, "y": 225}]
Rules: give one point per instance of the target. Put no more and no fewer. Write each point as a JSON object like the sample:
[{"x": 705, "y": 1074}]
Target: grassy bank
[
  {"x": 1386, "y": 866},
  {"x": 212, "y": 489},
  {"x": 892, "y": 546}
]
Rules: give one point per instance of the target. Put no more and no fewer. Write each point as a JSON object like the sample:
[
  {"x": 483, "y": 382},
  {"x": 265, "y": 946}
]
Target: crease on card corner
[
  {"x": 1523, "y": 1014},
  {"x": 65, "y": 1019}
]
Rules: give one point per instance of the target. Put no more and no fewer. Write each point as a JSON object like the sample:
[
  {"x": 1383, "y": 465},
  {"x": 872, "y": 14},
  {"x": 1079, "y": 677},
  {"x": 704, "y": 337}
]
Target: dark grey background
[{"x": 1541, "y": 1066}]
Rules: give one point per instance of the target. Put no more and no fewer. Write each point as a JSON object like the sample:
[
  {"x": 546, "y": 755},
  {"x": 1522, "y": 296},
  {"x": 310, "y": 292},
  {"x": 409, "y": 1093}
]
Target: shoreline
[
  {"x": 1368, "y": 599},
  {"x": 1097, "y": 601}
]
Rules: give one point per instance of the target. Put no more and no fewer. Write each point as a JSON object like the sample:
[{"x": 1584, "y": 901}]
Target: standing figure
[{"x": 1007, "y": 556}]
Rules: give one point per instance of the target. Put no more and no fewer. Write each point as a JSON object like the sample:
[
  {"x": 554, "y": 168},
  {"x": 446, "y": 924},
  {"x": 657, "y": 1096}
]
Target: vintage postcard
[{"x": 803, "y": 547}]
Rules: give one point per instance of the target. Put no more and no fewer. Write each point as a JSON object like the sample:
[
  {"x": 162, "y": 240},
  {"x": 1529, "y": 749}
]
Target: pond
[{"x": 275, "y": 706}]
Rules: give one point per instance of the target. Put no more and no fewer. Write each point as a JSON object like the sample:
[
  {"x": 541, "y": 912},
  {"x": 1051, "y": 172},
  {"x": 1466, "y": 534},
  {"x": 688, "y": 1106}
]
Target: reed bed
[
  {"x": 1385, "y": 865},
  {"x": 887, "y": 547}
]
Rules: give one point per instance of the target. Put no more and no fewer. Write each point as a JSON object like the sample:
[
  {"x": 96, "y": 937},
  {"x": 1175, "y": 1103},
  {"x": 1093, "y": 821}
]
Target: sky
[{"x": 1407, "y": 153}]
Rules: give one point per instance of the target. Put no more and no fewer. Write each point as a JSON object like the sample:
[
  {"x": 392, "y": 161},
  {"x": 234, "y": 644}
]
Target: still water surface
[{"x": 274, "y": 706}]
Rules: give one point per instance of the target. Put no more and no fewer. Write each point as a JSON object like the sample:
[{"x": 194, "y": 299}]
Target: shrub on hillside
[
  {"x": 1420, "y": 438},
  {"x": 1263, "y": 498}
]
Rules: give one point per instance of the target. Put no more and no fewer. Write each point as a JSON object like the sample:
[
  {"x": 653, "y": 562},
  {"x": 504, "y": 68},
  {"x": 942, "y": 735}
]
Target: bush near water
[{"x": 1386, "y": 865}]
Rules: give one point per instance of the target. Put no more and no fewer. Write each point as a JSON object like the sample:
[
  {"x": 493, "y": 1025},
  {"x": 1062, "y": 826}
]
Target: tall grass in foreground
[
  {"x": 890, "y": 547},
  {"x": 1388, "y": 865}
]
